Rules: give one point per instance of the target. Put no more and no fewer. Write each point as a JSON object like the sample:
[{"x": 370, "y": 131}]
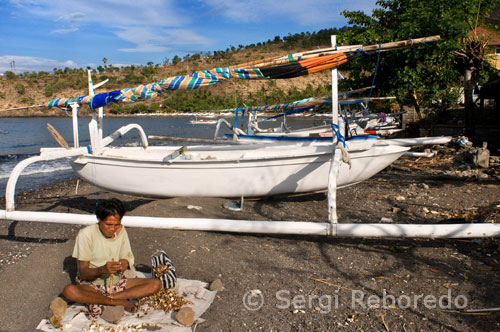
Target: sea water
[{"x": 22, "y": 138}]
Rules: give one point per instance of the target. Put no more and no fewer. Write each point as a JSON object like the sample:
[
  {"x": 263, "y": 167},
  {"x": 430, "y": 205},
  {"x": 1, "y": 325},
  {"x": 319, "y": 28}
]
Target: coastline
[{"x": 34, "y": 256}]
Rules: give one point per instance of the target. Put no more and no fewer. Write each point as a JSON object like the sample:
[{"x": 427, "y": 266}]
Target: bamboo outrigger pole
[{"x": 338, "y": 49}]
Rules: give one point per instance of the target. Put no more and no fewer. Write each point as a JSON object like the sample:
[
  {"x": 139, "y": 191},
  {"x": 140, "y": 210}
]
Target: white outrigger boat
[{"x": 229, "y": 170}]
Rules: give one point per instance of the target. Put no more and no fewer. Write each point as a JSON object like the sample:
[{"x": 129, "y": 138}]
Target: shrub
[
  {"x": 48, "y": 91},
  {"x": 20, "y": 88},
  {"x": 139, "y": 108},
  {"x": 28, "y": 100},
  {"x": 10, "y": 75}
]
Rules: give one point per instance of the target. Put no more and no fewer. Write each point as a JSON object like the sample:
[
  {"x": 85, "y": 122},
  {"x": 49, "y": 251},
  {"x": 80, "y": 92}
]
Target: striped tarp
[{"x": 203, "y": 78}]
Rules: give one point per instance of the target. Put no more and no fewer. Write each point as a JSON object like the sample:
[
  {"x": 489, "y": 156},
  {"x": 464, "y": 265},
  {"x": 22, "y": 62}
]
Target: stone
[
  {"x": 482, "y": 176},
  {"x": 58, "y": 307},
  {"x": 112, "y": 314},
  {"x": 424, "y": 185},
  {"x": 482, "y": 158},
  {"x": 216, "y": 285},
  {"x": 185, "y": 316}
]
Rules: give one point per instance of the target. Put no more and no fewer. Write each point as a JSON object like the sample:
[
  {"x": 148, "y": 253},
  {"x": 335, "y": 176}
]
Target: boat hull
[{"x": 213, "y": 173}]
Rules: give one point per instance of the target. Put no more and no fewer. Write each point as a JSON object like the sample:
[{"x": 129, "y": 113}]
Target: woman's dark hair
[{"x": 109, "y": 208}]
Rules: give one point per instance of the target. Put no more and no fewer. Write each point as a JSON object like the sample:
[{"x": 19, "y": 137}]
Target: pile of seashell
[
  {"x": 96, "y": 327},
  {"x": 160, "y": 270},
  {"x": 166, "y": 300}
]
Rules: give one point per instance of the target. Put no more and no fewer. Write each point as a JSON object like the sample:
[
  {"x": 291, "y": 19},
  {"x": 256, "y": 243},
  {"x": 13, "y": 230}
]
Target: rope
[
  {"x": 376, "y": 70},
  {"x": 336, "y": 131},
  {"x": 345, "y": 154}
]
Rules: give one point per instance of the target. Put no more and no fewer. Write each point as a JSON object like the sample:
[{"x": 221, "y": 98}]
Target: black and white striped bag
[{"x": 163, "y": 269}]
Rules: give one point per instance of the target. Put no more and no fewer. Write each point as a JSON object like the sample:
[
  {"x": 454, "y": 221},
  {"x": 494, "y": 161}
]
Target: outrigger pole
[
  {"x": 331, "y": 228},
  {"x": 271, "y": 227}
]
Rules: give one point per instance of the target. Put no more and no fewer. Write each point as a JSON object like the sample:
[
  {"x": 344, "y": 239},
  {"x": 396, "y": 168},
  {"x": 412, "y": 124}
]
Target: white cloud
[
  {"x": 107, "y": 12},
  {"x": 150, "y": 27},
  {"x": 26, "y": 63},
  {"x": 71, "y": 18},
  {"x": 64, "y": 31},
  {"x": 158, "y": 40}
]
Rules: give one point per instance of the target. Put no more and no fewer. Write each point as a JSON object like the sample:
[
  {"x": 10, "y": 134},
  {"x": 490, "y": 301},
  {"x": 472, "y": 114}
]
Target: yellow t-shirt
[{"x": 91, "y": 245}]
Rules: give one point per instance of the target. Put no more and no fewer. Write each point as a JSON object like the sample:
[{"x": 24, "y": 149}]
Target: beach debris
[
  {"x": 216, "y": 285},
  {"x": 482, "y": 176},
  {"x": 450, "y": 284},
  {"x": 350, "y": 318},
  {"x": 185, "y": 316},
  {"x": 327, "y": 282},
  {"x": 255, "y": 292},
  {"x": 423, "y": 185},
  {"x": 57, "y": 308},
  {"x": 299, "y": 311},
  {"x": 194, "y": 207},
  {"x": 463, "y": 141},
  {"x": 382, "y": 316},
  {"x": 235, "y": 206}
]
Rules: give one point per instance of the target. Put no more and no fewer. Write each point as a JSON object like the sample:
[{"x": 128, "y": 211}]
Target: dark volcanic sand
[{"x": 307, "y": 282}]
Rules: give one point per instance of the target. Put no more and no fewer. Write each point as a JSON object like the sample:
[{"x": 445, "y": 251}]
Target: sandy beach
[{"x": 307, "y": 283}]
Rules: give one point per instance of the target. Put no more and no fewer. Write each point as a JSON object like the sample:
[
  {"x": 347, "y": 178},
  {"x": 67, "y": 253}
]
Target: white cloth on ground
[{"x": 194, "y": 291}]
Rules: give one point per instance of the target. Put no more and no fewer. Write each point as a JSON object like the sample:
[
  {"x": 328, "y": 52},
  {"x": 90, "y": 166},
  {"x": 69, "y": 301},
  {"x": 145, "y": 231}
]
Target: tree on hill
[{"x": 425, "y": 77}]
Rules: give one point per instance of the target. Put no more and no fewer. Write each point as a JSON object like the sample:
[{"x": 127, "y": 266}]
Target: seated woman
[{"x": 104, "y": 254}]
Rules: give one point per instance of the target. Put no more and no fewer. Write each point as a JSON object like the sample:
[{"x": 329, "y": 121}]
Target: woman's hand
[
  {"x": 112, "y": 267},
  {"x": 123, "y": 265}
]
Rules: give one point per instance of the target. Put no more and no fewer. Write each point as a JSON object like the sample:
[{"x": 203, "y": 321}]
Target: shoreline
[{"x": 412, "y": 191}]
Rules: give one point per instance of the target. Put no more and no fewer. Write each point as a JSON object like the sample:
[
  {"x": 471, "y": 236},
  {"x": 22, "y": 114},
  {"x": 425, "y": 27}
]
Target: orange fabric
[{"x": 324, "y": 62}]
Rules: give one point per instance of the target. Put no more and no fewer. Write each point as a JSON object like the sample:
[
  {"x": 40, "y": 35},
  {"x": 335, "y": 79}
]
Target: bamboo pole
[
  {"x": 20, "y": 108},
  {"x": 111, "y": 278},
  {"x": 366, "y": 99},
  {"x": 371, "y": 230},
  {"x": 333, "y": 50},
  {"x": 58, "y": 137},
  {"x": 193, "y": 140}
]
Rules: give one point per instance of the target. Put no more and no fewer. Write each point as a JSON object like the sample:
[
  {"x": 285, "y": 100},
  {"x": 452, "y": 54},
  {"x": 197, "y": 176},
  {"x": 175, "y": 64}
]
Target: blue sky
[{"x": 39, "y": 35}]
